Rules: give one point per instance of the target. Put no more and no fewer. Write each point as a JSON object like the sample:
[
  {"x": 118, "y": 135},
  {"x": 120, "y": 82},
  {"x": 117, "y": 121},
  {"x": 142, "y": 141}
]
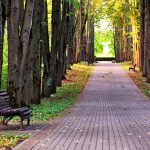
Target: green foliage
[
  {"x": 98, "y": 47},
  {"x": 4, "y": 76},
  {"x": 9, "y": 140},
  {"x": 5, "y": 62},
  {"x": 66, "y": 95},
  {"x": 104, "y": 36},
  {"x": 5, "y": 49}
]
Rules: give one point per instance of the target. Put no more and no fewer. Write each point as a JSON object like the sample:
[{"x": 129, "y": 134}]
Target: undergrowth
[
  {"x": 7, "y": 141},
  {"x": 66, "y": 95},
  {"x": 138, "y": 79}
]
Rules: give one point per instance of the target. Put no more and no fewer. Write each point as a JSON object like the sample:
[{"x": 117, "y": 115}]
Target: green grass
[
  {"x": 66, "y": 95},
  {"x": 126, "y": 65},
  {"x": 9, "y": 140}
]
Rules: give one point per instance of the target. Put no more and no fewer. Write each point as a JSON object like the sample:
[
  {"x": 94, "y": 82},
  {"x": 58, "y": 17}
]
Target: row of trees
[
  {"x": 36, "y": 63},
  {"x": 131, "y": 22}
]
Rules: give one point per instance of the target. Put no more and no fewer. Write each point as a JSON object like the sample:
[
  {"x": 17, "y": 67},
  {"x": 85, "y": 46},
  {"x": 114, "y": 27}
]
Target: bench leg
[
  {"x": 3, "y": 121},
  {"x": 28, "y": 121},
  {"x": 6, "y": 120},
  {"x": 21, "y": 123}
]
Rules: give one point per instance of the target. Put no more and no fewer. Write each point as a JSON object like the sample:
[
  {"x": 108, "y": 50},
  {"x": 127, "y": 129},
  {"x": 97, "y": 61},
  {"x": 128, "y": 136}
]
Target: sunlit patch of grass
[
  {"x": 4, "y": 77},
  {"x": 66, "y": 95},
  {"x": 7, "y": 141},
  {"x": 126, "y": 65}
]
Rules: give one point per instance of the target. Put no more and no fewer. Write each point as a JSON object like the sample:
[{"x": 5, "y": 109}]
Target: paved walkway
[{"x": 113, "y": 115}]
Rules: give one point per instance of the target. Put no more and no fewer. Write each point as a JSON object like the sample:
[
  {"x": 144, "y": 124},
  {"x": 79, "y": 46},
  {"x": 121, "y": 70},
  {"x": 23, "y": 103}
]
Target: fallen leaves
[
  {"x": 9, "y": 140},
  {"x": 141, "y": 82}
]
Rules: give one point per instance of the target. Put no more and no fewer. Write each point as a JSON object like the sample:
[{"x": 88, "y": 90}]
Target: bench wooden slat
[
  {"x": 2, "y": 91},
  {"x": 5, "y": 106},
  {"x": 4, "y": 103},
  {"x": 3, "y": 94},
  {"x": 26, "y": 113},
  {"x": 27, "y": 117},
  {"x": 3, "y": 97}
]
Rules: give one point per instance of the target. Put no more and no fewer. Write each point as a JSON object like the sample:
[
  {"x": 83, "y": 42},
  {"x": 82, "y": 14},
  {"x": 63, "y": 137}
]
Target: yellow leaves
[{"x": 10, "y": 140}]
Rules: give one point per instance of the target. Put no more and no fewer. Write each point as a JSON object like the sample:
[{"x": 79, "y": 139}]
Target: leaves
[{"x": 9, "y": 140}]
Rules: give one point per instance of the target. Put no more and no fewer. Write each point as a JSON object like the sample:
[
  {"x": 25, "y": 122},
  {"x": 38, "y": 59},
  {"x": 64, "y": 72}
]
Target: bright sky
[{"x": 104, "y": 24}]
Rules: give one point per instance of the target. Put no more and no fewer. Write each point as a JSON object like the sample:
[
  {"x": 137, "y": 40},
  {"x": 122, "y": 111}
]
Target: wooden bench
[
  {"x": 7, "y": 112},
  {"x": 132, "y": 68}
]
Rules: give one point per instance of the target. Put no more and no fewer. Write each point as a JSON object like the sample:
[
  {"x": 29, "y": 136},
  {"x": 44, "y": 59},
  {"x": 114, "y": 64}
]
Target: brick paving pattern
[{"x": 113, "y": 115}]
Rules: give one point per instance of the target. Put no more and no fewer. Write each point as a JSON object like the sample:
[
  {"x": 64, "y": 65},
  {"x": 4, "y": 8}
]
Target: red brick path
[{"x": 113, "y": 115}]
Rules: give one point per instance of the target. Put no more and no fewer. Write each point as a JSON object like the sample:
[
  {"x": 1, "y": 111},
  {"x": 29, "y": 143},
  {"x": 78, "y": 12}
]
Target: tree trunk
[
  {"x": 35, "y": 48},
  {"x": 78, "y": 39},
  {"x": 146, "y": 36},
  {"x": 148, "y": 41},
  {"x": 63, "y": 44},
  {"x": 90, "y": 42},
  {"x": 45, "y": 50},
  {"x": 51, "y": 82},
  {"x": 13, "y": 43},
  {"x": 70, "y": 36},
  {"x": 25, "y": 34},
  {"x": 142, "y": 28}
]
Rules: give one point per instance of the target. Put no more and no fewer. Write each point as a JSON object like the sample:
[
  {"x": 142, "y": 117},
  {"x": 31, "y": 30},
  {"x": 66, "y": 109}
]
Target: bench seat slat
[{"x": 4, "y": 97}]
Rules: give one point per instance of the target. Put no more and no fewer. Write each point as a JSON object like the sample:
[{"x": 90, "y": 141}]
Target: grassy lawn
[{"x": 138, "y": 79}]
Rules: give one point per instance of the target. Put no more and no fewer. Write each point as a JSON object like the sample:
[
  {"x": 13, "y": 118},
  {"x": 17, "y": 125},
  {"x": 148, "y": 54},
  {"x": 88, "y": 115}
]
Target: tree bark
[
  {"x": 45, "y": 50},
  {"x": 52, "y": 80},
  {"x": 142, "y": 28},
  {"x": 70, "y": 36},
  {"x": 13, "y": 43},
  {"x": 146, "y": 36},
  {"x": 35, "y": 49},
  {"x": 25, "y": 34},
  {"x": 63, "y": 44},
  {"x": 148, "y": 41}
]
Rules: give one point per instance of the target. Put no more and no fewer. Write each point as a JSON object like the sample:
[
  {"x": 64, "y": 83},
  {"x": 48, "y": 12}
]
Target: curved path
[{"x": 113, "y": 115}]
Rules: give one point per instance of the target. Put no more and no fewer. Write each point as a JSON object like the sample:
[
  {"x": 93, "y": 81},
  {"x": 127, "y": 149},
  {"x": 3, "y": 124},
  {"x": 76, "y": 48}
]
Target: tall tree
[
  {"x": 35, "y": 48},
  {"x": 63, "y": 43},
  {"x": 45, "y": 50},
  {"x": 56, "y": 14},
  {"x": 142, "y": 28},
  {"x": 147, "y": 39},
  {"x": 13, "y": 45}
]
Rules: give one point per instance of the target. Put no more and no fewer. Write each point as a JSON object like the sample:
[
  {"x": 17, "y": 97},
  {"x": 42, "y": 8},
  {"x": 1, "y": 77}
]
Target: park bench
[
  {"x": 7, "y": 112},
  {"x": 132, "y": 68}
]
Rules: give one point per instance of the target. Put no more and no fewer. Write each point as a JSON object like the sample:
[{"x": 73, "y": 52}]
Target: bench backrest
[{"x": 4, "y": 100}]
